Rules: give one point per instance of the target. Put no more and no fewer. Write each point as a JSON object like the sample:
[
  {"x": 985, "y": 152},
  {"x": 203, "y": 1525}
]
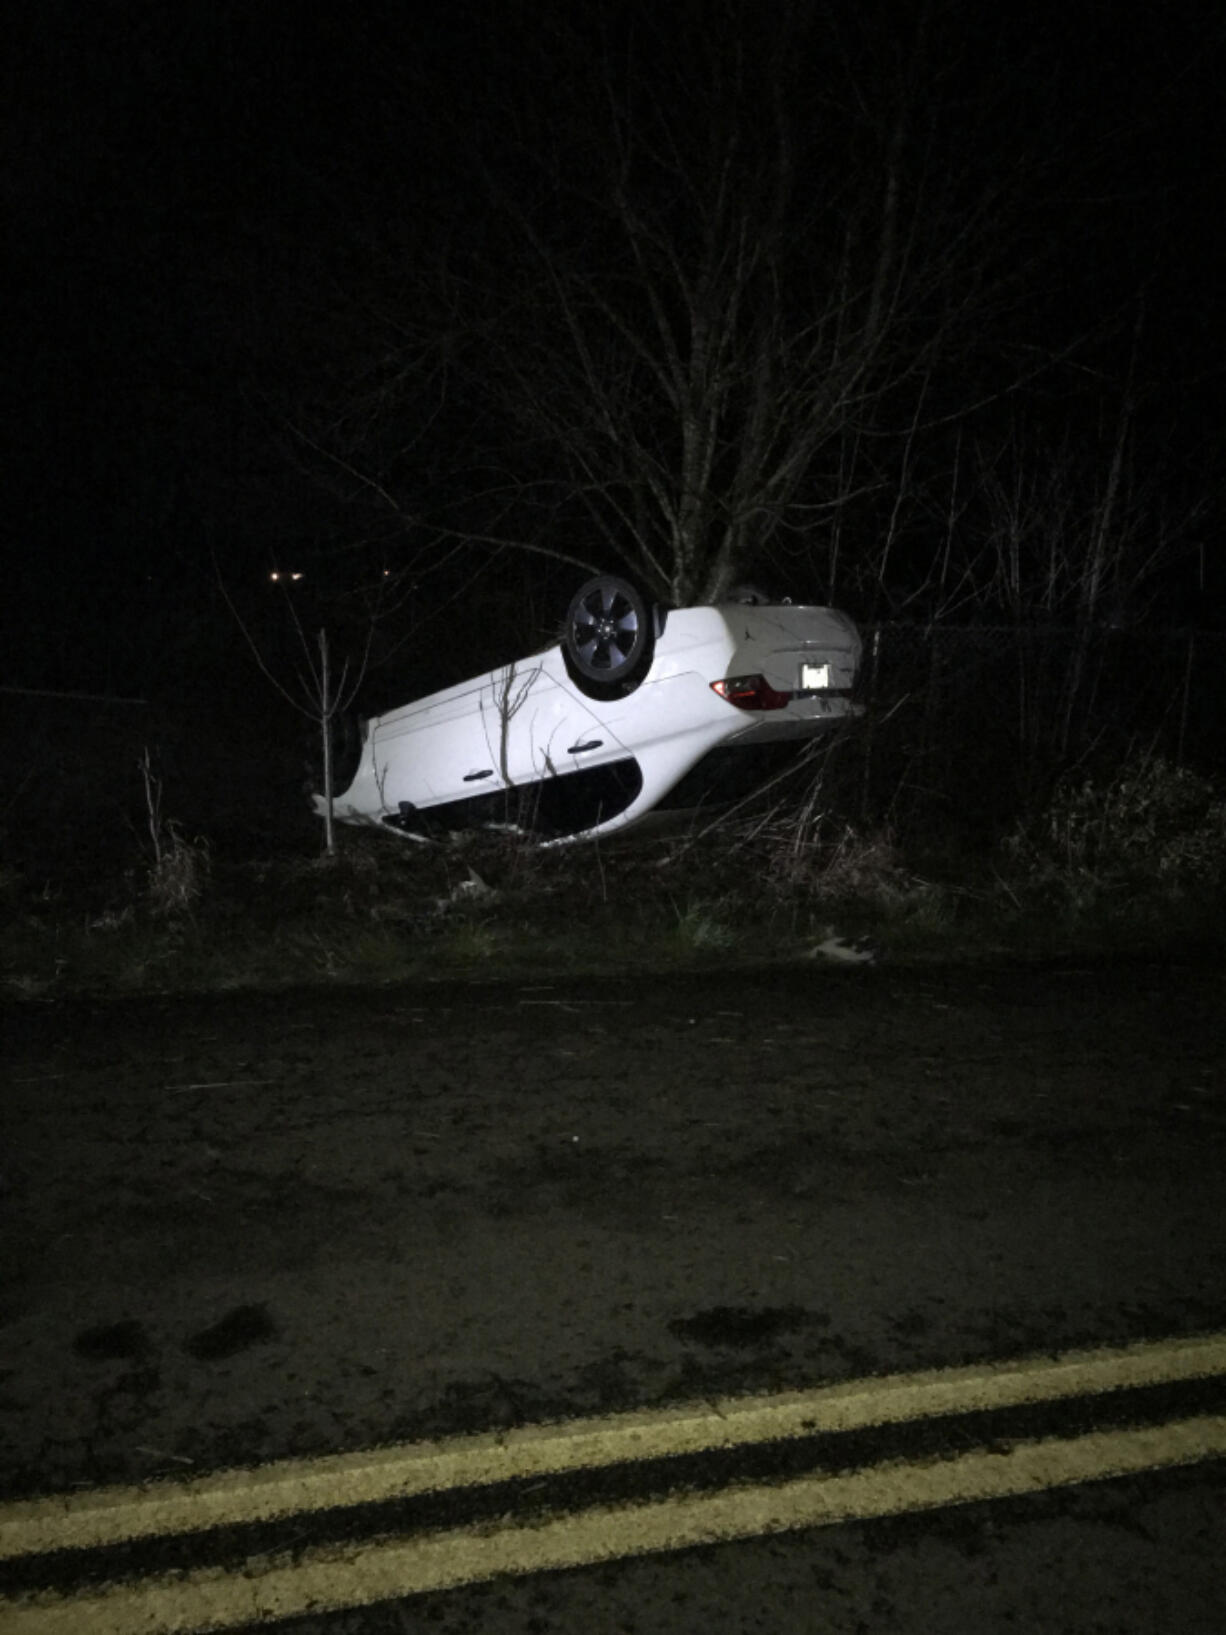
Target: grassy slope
[{"x": 1126, "y": 870}]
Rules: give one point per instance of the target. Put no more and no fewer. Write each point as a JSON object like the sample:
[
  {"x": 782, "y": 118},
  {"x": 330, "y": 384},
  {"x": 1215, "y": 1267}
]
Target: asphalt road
[{"x": 245, "y": 1228}]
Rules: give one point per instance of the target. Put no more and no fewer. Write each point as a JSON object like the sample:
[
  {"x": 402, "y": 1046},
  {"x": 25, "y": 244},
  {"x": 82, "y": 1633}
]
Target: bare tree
[
  {"x": 321, "y": 694},
  {"x": 1070, "y": 540},
  {"x": 719, "y": 269}
]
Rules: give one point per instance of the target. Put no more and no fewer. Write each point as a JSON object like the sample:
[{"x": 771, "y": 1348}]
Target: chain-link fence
[{"x": 965, "y": 726}]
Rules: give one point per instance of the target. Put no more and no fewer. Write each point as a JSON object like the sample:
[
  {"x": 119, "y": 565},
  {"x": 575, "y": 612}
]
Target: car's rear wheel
[{"x": 608, "y": 636}]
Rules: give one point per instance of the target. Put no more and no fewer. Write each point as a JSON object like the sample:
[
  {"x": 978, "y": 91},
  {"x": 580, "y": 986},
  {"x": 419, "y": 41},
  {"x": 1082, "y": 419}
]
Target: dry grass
[{"x": 1135, "y": 864}]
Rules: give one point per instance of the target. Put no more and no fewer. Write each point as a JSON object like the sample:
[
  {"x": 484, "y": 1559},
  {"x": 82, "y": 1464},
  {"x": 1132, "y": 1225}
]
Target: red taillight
[{"x": 751, "y": 693}]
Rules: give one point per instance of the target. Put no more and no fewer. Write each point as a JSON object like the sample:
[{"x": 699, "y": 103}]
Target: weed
[
  {"x": 471, "y": 942},
  {"x": 866, "y": 866},
  {"x": 1150, "y": 827},
  {"x": 179, "y": 871},
  {"x": 113, "y": 919},
  {"x": 700, "y": 929}
]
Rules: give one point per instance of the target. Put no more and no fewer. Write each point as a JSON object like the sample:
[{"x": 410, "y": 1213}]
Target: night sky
[{"x": 215, "y": 212}]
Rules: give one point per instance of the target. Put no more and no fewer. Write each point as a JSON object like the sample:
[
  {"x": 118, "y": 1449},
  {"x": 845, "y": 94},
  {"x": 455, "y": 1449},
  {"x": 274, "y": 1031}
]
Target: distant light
[{"x": 276, "y": 575}]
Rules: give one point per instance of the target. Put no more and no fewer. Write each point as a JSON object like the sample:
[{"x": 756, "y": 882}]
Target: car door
[
  {"x": 560, "y": 767},
  {"x": 436, "y": 751},
  {"x": 537, "y": 727}
]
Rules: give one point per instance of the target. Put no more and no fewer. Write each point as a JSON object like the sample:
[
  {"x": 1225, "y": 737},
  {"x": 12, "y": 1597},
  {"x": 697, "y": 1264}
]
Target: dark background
[{"x": 204, "y": 202}]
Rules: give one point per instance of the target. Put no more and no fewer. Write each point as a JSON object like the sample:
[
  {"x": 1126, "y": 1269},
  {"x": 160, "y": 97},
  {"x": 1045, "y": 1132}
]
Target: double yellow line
[{"x": 330, "y": 1577}]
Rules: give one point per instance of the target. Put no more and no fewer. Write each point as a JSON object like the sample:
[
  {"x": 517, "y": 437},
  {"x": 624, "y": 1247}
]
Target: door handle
[
  {"x": 475, "y": 777},
  {"x": 588, "y": 743}
]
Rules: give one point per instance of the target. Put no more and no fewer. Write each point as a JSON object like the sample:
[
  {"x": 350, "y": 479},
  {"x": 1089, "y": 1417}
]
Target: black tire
[{"x": 608, "y": 636}]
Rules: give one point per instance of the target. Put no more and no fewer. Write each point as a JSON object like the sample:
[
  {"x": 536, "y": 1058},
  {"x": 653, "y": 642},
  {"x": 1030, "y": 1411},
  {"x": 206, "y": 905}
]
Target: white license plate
[{"x": 814, "y": 677}]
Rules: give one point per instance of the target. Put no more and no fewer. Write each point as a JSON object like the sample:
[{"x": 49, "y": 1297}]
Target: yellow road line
[
  {"x": 326, "y": 1580},
  {"x": 225, "y": 1498}
]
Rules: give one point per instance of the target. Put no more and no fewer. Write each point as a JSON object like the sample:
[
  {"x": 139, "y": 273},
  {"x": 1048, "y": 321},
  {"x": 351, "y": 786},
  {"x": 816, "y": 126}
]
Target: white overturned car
[{"x": 638, "y": 711}]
